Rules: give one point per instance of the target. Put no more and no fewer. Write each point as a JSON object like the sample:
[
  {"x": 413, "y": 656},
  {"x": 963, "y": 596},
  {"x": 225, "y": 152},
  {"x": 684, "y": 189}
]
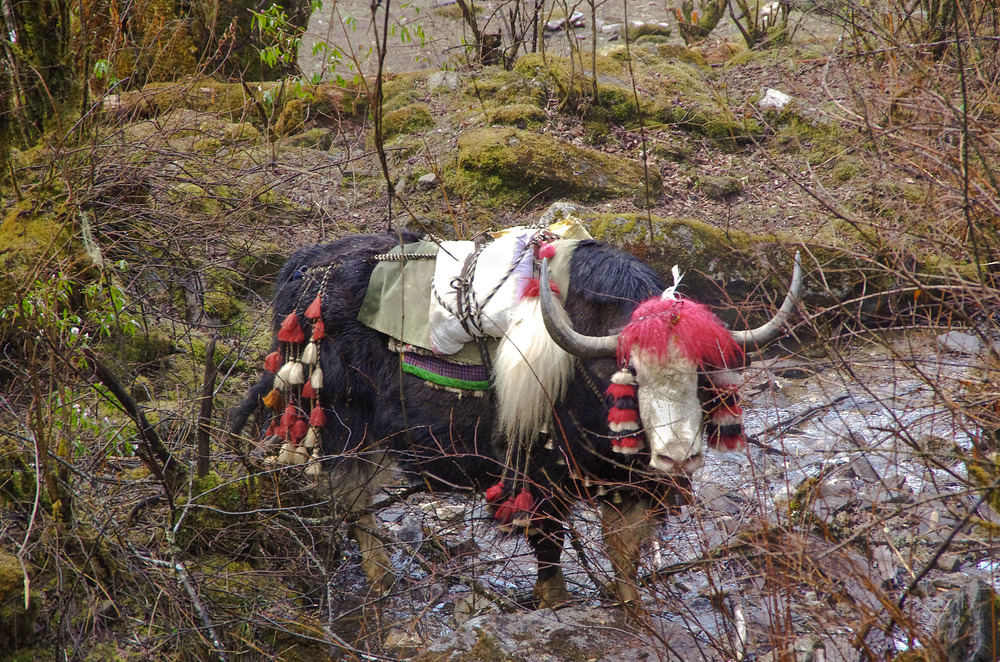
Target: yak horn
[
  {"x": 561, "y": 330},
  {"x": 775, "y": 327}
]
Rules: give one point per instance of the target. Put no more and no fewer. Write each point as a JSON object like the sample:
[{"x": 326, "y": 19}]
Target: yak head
[{"x": 678, "y": 359}]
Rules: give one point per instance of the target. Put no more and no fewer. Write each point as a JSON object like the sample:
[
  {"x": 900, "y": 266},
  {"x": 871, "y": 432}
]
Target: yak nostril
[{"x": 669, "y": 465}]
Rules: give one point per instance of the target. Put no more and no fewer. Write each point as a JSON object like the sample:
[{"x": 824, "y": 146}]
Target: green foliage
[{"x": 69, "y": 315}]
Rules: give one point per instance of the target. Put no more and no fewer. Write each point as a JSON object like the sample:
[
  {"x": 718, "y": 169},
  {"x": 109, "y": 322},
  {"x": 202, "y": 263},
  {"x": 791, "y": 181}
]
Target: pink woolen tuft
[
  {"x": 546, "y": 251},
  {"x": 690, "y": 328}
]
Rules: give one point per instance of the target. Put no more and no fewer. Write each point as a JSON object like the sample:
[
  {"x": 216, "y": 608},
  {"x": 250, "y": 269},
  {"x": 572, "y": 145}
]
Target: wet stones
[{"x": 969, "y": 628}]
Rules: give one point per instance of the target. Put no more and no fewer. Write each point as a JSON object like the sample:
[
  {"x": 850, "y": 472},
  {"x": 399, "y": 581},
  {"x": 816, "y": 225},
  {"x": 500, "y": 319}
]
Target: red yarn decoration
[
  {"x": 299, "y": 430},
  {"x": 291, "y": 331},
  {"x": 272, "y": 362},
  {"x": 319, "y": 330},
  {"x": 689, "y": 327},
  {"x": 532, "y": 287},
  {"x": 317, "y": 418},
  {"x": 308, "y": 392},
  {"x": 494, "y": 493},
  {"x": 313, "y": 312}
]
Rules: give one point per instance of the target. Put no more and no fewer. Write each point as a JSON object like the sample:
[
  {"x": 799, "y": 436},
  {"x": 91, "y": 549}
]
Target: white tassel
[
  {"x": 297, "y": 375},
  {"x": 315, "y": 468},
  {"x": 311, "y": 440},
  {"x": 627, "y": 426},
  {"x": 310, "y": 354},
  {"x": 624, "y": 376},
  {"x": 284, "y": 375},
  {"x": 317, "y": 378},
  {"x": 293, "y": 454}
]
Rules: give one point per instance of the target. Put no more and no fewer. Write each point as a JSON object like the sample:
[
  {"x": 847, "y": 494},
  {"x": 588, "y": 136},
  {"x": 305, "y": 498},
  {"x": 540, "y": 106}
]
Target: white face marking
[{"x": 670, "y": 411}]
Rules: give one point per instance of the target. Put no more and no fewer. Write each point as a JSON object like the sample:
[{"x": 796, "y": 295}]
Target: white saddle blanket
[{"x": 501, "y": 270}]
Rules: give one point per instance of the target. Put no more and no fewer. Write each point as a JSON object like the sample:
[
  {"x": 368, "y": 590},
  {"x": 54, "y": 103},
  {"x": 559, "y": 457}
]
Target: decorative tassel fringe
[
  {"x": 623, "y": 417},
  {"x": 317, "y": 418},
  {"x": 272, "y": 362},
  {"x": 319, "y": 330},
  {"x": 310, "y": 355},
  {"x": 291, "y": 331},
  {"x": 314, "y": 311},
  {"x": 315, "y": 468},
  {"x": 292, "y": 454},
  {"x": 274, "y": 400},
  {"x": 316, "y": 379},
  {"x": 298, "y": 430},
  {"x": 312, "y": 439},
  {"x": 308, "y": 392}
]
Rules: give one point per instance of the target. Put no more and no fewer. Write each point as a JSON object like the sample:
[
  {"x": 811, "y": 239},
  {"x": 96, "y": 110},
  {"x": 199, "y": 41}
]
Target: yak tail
[{"x": 241, "y": 413}]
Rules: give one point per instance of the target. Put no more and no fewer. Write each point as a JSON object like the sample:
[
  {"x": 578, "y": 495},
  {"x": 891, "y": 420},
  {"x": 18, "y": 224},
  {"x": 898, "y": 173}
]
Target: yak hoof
[
  {"x": 552, "y": 593},
  {"x": 622, "y": 591}
]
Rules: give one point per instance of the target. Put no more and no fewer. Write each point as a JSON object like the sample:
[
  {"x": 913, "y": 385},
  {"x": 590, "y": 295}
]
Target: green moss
[
  {"x": 846, "y": 169},
  {"x": 17, "y": 623},
  {"x": 406, "y": 120},
  {"x": 520, "y": 115},
  {"x": 514, "y": 166},
  {"x": 402, "y": 90},
  {"x": 318, "y": 138},
  {"x": 506, "y": 88},
  {"x": 37, "y": 235},
  {"x": 213, "y": 511}
]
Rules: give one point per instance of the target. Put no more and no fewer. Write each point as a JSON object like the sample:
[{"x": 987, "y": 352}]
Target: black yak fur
[{"x": 448, "y": 442}]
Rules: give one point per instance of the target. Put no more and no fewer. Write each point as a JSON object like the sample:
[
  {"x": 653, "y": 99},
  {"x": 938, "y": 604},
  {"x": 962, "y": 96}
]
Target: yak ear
[{"x": 558, "y": 324}]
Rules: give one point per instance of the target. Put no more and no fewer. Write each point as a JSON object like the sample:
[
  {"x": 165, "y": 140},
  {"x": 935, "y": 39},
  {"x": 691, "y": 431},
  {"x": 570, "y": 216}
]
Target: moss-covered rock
[
  {"x": 406, "y": 120},
  {"x": 520, "y": 115},
  {"x": 719, "y": 187},
  {"x": 507, "y": 87},
  {"x": 17, "y": 622},
  {"x": 37, "y": 235},
  {"x": 210, "y": 518},
  {"x": 514, "y": 166}
]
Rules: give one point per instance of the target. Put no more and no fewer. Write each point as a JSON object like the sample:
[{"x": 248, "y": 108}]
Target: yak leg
[
  {"x": 374, "y": 560},
  {"x": 350, "y": 492},
  {"x": 550, "y": 587},
  {"x": 624, "y": 528}
]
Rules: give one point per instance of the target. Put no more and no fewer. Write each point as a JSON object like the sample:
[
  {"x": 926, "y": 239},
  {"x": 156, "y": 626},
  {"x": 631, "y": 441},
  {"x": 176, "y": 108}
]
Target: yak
[{"x": 603, "y": 386}]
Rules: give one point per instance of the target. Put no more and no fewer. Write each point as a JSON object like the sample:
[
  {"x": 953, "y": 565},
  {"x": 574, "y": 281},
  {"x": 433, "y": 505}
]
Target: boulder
[{"x": 515, "y": 166}]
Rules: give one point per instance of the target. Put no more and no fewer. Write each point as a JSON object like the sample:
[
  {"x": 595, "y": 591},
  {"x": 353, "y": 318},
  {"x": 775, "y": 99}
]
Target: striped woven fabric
[{"x": 445, "y": 373}]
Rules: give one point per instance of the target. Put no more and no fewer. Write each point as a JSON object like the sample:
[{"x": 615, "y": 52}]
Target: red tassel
[
  {"x": 273, "y": 361},
  {"x": 318, "y": 417},
  {"x": 621, "y": 390},
  {"x": 272, "y": 429},
  {"x": 524, "y": 501},
  {"x": 308, "y": 392},
  {"x": 628, "y": 445},
  {"x": 546, "y": 251},
  {"x": 288, "y": 418},
  {"x": 291, "y": 331},
  {"x": 616, "y": 415},
  {"x": 299, "y": 430},
  {"x": 494, "y": 493},
  {"x": 505, "y": 513},
  {"x": 319, "y": 330},
  {"x": 313, "y": 311}
]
